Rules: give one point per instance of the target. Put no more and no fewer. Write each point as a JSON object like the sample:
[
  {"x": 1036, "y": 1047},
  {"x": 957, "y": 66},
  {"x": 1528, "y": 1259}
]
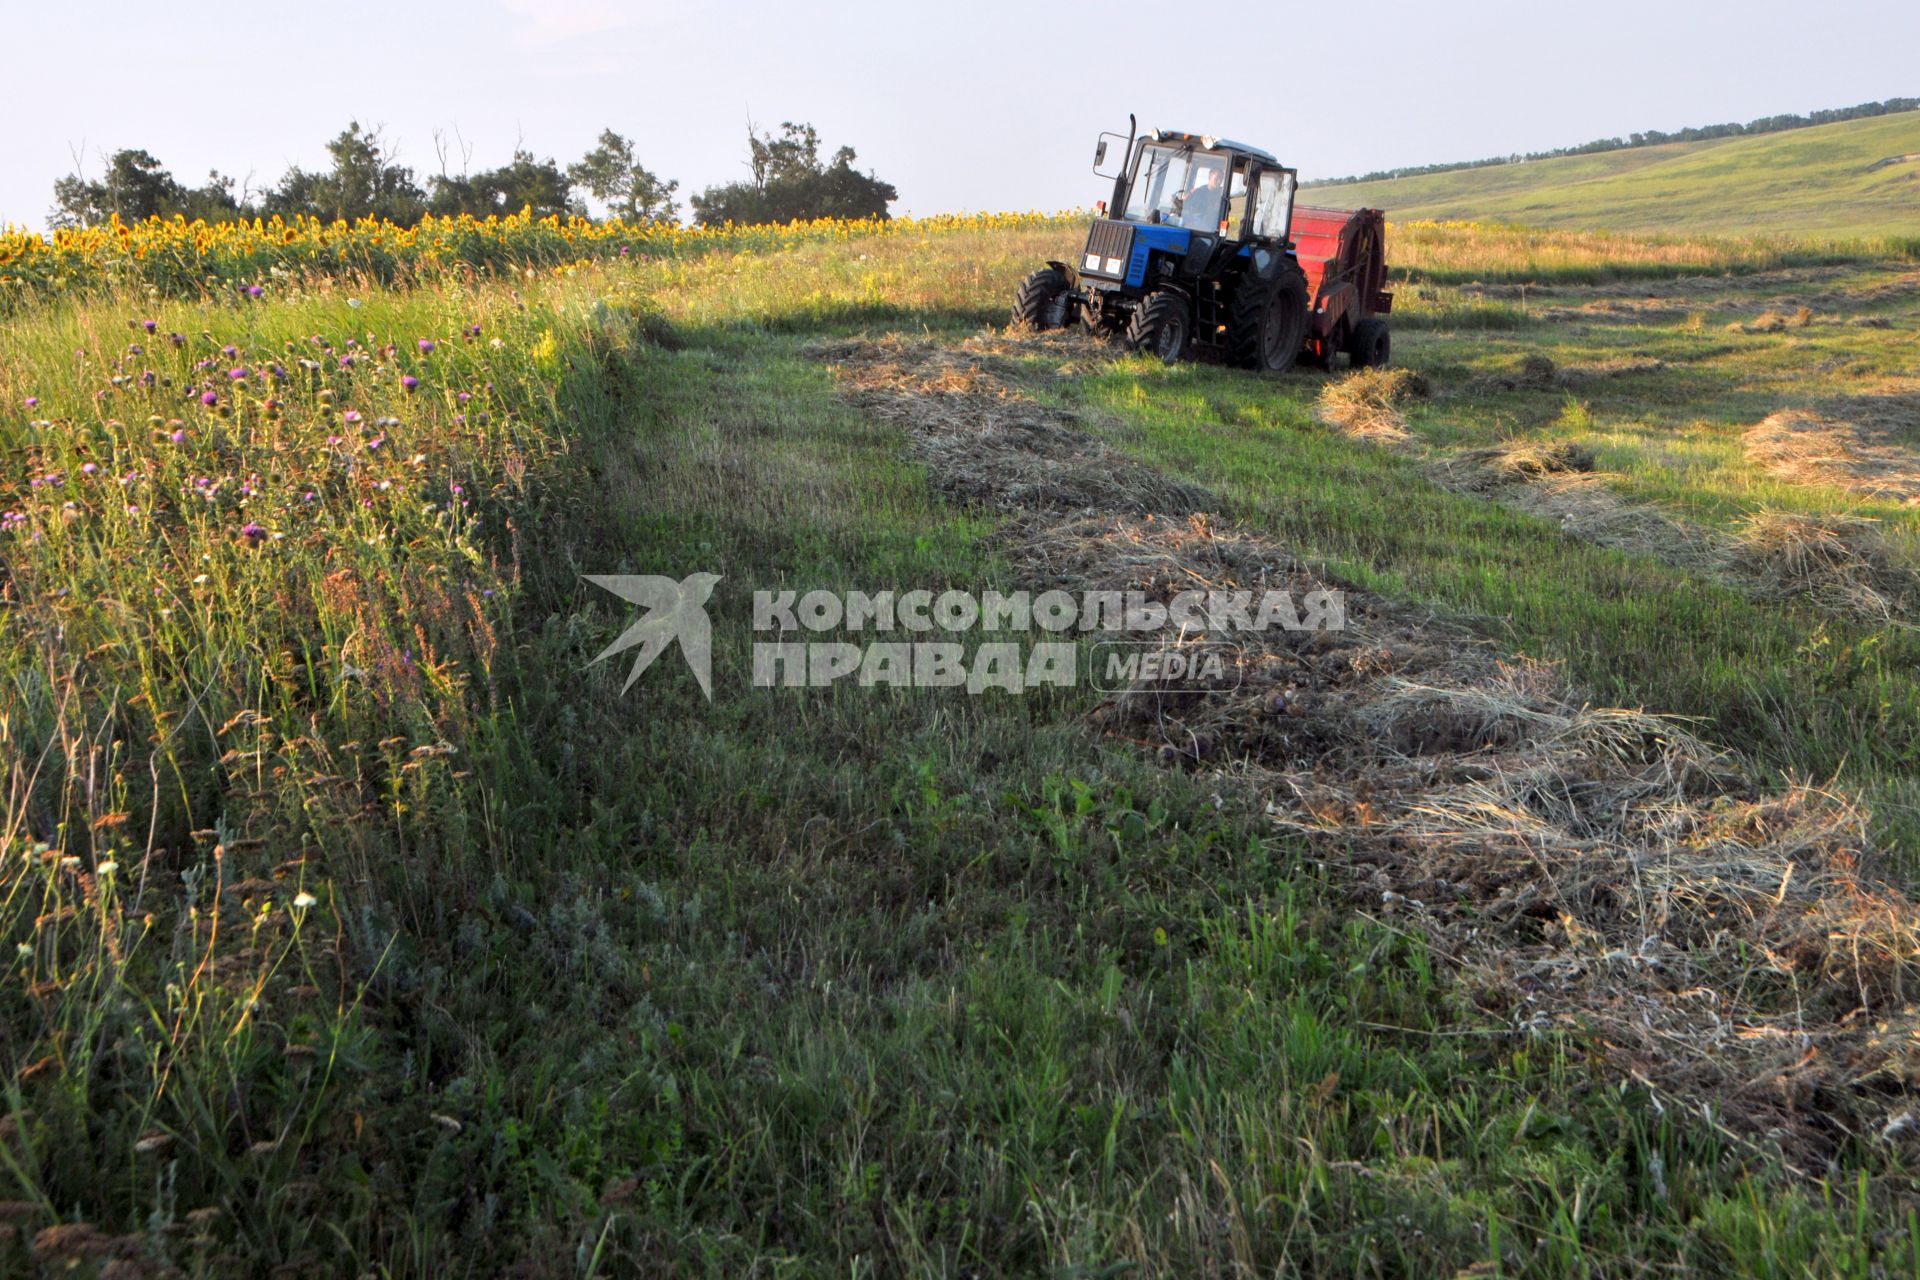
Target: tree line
[
  {"x": 1652, "y": 138},
  {"x": 788, "y": 180}
]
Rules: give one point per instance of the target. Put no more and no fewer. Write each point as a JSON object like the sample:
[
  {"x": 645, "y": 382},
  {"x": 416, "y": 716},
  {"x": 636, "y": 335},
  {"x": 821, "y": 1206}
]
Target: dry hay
[
  {"x": 1536, "y": 372},
  {"x": 1771, "y": 321},
  {"x": 1601, "y": 872},
  {"x": 1619, "y": 367},
  {"x": 1514, "y": 462},
  {"x": 984, "y": 441},
  {"x": 1617, "y": 310},
  {"x": 1556, "y": 481},
  {"x": 1836, "y": 560},
  {"x": 1804, "y": 448},
  {"x": 1366, "y": 404}
]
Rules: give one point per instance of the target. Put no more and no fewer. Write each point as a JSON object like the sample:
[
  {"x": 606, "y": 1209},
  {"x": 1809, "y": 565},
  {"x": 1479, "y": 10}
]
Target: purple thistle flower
[
  {"x": 350, "y": 416},
  {"x": 426, "y": 346},
  {"x": 409, "y": 382},
  {"x": 178, "y": 437},
  {"x": 177, "y": 339},
  {"x": 33, "y": 402},
  {"x": 149, "y": 325},
  {"x": 253, "y": 530},
  {"x": 229, "y": 350},
  {"x": 88, "y": 468},
  {"x": 333, "y": 439},
  {"x": 464, "y": 396},
  {"x": 209, "y": 399},
  {"x": 237, "y": 374},
  {"x": 254, "y": 291}
]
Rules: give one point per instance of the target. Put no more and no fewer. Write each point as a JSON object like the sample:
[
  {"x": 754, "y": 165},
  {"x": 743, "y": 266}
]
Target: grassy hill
[{"x": 1804, "y": 182}]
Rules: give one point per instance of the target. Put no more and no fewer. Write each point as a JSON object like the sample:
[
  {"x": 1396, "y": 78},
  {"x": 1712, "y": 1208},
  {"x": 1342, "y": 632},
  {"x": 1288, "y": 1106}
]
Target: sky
[{"x": 962, "y": 106}]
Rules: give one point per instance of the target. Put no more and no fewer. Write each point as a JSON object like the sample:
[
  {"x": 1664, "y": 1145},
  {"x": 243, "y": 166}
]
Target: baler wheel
[
  {"x": 1042, "y": 302},
  {"x": 1324, "y": 351},
  {"x": 1371, "y": 344},
  {"x": 1160, "y": 327},
  {"x": 1267, "y": 327}
]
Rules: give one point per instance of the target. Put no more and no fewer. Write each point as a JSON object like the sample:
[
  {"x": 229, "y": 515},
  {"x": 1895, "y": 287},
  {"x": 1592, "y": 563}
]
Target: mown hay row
[
  {"x": 1598, "y": 871},
  {"x": 1804, "y": 448}
]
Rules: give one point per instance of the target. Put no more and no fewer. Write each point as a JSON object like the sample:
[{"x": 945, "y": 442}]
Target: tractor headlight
[
  {"x": 1113, "y": 266},
  {"x": 1093, "y": 262}
]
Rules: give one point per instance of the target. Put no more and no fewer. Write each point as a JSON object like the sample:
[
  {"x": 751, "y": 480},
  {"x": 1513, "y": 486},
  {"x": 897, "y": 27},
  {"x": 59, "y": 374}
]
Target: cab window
[
  {"x": 1236, "y": 201},
  {"x": 1177, "y": 187},
  {"x": 1273, "y": 203}
]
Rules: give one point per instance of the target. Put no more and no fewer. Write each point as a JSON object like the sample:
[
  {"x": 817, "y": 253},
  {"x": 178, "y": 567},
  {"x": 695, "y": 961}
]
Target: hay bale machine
[{"x": 1203, "y": 252}]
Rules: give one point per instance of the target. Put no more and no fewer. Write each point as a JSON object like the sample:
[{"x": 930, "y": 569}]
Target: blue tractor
[{"x": 1192, "y": 257}]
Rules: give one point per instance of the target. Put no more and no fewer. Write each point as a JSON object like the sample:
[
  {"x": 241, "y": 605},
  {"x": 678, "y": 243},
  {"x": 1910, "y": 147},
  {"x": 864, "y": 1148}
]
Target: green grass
[
  {"x": 795, "y": 982},
  {"x": 1811, "y": 183},
  {"x": 1804, "y": 693}
]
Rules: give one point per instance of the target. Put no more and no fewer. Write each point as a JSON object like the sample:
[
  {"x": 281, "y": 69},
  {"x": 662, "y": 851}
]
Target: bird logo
[{"x": 675, "y": 611}]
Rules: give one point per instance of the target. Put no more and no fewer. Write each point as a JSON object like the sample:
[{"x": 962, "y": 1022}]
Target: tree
[
  {"x": 791, "y": 182},
  {"x": 610, "y": 174},
  {"x": 214, "y": 202},
  {"x": 136, "y": 186},
  {"x": 364, "y": 182},
  {"x": 526, "y": 183}
]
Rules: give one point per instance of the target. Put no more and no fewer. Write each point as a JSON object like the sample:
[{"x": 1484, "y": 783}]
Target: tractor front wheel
[
  {"x": 1267, "y": 326},
  {"x": 1160, "y": 327},
  {"x": 1043, "y": 301},
  {"x": 1371, "y": 344}
]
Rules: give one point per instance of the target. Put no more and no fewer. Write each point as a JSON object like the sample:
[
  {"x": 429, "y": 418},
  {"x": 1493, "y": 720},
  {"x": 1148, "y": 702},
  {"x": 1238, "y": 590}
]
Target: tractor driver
[{"x": 1200, "y": 206}]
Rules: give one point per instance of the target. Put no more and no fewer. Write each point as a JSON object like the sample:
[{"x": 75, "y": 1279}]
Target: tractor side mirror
[{"x": 1100, "y": 154}]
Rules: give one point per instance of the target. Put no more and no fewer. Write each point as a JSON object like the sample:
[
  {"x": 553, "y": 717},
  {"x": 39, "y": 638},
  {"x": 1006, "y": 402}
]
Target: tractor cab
[
  {"x": 1194, "y": 251},
  {"x": 1202, "y": 184}
]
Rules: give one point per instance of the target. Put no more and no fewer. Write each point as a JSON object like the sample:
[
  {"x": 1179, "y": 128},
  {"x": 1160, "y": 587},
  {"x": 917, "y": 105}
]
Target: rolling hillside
[{"x": 1816, "y": 181}]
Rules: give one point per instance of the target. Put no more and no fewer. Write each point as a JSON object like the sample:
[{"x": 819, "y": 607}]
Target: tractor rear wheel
[
  {"x": 1160, "y": 327},
  {"x": 1267, "y": 325},
  {"x": 1371, "y": 344},
  {"x": 1043, "y": 301}
]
